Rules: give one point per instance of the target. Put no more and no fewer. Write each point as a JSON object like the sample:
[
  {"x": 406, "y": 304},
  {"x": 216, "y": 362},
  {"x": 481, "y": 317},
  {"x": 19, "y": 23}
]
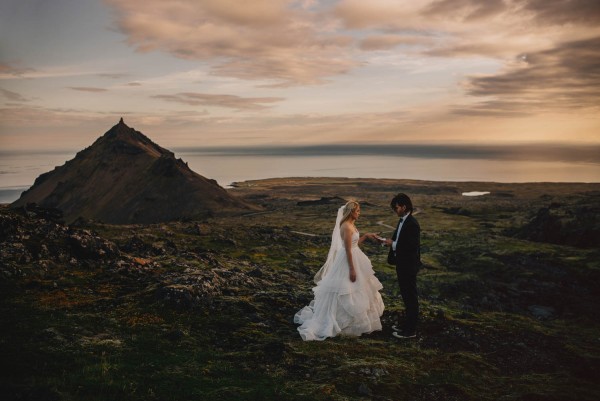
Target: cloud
[
  {"x": 565, "y": 76},
  {"x": 549, "y": 49},
  {"x": 227, "y": 101},
  {"x": 60, "y": 71},
  {"x": 113, "y": 75},
  {"x": 466, "y": 10},
  {"x": 389, "y": 41},
  {"x": 13, "y": 96},
  {"x": 559, "y": 12},
  {"x": 288, "y": 42},
  {"x": 87, "y": 89},
  {"x": 541, "y": 12},
  {"x": 292, "y": 42},
  {"x": 11, "y": 71},
  {"x": 473, "y": 27},
  {"x": 379, "y": 14},
  {"x": 495, "y": 108},
  {"x": 36, "y": 116}
]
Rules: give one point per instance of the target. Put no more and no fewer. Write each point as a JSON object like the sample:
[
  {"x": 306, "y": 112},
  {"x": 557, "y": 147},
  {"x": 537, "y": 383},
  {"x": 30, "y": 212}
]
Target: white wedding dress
[{"x": 341, "y": 306}]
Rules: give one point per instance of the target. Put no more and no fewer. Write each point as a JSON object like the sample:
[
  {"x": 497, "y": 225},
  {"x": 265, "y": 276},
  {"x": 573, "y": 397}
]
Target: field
[{"x": 204, "y": 309}]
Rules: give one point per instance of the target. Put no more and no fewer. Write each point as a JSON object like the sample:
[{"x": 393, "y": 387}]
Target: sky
[{"x": 209, "y": 73}]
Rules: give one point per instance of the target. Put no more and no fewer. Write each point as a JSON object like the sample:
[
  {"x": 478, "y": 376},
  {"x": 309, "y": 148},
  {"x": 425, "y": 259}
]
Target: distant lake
[{"x": 436, "y": 163}]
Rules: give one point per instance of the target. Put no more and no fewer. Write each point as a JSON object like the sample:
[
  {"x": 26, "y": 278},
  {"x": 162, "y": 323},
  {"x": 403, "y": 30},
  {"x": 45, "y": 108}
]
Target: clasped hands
[{"x": 380, "y": 240}]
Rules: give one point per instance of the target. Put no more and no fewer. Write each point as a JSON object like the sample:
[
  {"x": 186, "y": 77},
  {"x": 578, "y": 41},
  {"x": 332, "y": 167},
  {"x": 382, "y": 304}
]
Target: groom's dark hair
[{"x": 401, "y": 200}]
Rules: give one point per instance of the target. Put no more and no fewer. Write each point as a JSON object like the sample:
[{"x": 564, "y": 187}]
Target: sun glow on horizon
[{"x": 299, "y": 73}]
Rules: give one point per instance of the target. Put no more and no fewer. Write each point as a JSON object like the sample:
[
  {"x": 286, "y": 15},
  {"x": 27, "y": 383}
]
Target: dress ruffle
[{"x": 341, "y": 306}]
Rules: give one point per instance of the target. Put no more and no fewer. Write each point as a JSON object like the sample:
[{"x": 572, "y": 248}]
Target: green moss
[{"x": 103, "y": 333}]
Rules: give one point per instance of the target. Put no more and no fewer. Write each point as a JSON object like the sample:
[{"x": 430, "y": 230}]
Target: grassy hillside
[{"x": 203, "y": 309}]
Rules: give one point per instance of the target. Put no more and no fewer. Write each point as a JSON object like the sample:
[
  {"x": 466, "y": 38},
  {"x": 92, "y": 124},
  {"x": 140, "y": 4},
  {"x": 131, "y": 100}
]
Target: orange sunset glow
[{"x": 280, "y": 72}]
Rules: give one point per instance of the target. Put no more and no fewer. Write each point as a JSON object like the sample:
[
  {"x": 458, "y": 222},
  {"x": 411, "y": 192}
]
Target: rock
[
  {"x": 52, "y": 335},
  {"x": 46, "y": 213},
  {"x": 174, "y": 335},
  {"x": 541, "y": 312},
  {"x": 577, "y": 226},
  {"x": 363, "y": 389},
  {"x": 26, "y": 237},
  {"x": 100, "y": 340},
  {"x": 378, "y": 372},
  {"x": 256, "y": 273},
  {"x": 200, "y": 229},
  {"x": 178, "y": 295},
  {"x": 136, "y": 245},
  {"x": 227, "y": 241},
  {"x": 274, "y": 350},
  {"x": 141, "y": 261},
  {"x": 85, "y": 245},
  {"x": 9, "y": 226},
  {"x": 325, "y": 200},
  {"x": 198, "y": 287},
  {"x": 457, "y": 210}
]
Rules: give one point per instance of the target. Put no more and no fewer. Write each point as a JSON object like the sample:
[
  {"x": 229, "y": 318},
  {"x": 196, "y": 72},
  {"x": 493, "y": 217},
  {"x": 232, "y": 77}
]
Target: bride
[{"x": 347, "y": 299}]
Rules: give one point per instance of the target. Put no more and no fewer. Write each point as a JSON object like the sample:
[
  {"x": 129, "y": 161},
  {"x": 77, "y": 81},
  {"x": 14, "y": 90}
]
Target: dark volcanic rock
[
  {"x": 577, "y": 226},
  {"x": 52, "y": 214},
  {"x": 85, "y": 245},
  {"x": 26, "y": 238},
  {"x": 196, "y": 287},
  {"x": 325, "y": 200},
  {"x": 125, "y": 178},
  {"x": 457, "y": 210}
]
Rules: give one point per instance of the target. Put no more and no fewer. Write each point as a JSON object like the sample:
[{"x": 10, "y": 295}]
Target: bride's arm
[
  {"x": 346, "y": 232},
  {"x": 365, "y": 236}
]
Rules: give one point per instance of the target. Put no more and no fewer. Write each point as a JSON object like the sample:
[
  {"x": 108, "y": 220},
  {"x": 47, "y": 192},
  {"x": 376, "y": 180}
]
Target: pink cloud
[
  {"x": 13, "y": 96},
  {"x": 8, "y": 70},
  {"x": 277, "y": 40},
  {"x": 87, "y": 89},
  {"x": 227, "y": 101},
  {"x": 389, "y": 41}
]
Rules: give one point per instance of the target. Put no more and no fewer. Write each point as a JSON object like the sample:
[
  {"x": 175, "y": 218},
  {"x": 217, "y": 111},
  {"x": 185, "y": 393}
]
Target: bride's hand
[
  {"x": 376, "y": 237},
  {"x": 352, "y": 275}
]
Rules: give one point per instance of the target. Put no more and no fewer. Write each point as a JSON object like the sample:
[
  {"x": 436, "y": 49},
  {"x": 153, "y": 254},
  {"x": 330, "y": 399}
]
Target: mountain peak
[
  {"x": 124, "y": 178},
  {"x": 123, "y": 139}
]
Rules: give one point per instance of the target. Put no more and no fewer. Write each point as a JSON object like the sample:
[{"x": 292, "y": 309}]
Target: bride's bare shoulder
[{"x": 347, "y": 228}]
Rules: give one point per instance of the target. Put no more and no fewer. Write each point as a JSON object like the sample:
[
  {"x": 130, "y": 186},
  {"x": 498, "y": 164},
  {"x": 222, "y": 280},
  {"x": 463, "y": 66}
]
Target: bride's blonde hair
[{"x": 348, "y": 209}]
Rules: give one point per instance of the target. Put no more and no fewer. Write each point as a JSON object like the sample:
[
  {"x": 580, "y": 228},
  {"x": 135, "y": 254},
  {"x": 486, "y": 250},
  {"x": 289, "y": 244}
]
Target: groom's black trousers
[{"x": 407, "y": 279}]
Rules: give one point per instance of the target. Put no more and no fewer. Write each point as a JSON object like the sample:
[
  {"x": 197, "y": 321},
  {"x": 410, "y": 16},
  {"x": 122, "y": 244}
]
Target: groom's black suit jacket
[{"x": 408, "y": 248}]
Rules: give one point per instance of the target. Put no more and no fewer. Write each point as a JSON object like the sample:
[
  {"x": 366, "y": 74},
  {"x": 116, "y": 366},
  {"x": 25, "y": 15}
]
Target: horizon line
[
  {"x": 532, "y": 151},
  {"x": 570, "y": 152}
]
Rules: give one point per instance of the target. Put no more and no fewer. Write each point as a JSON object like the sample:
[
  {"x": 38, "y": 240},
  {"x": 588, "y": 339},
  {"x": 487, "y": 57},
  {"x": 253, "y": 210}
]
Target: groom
[{"x": 406, "y": 256}]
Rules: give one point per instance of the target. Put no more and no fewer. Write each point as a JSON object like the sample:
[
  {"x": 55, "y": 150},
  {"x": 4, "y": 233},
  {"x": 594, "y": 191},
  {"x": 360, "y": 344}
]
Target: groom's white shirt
[{"x": 398, "y": 231}]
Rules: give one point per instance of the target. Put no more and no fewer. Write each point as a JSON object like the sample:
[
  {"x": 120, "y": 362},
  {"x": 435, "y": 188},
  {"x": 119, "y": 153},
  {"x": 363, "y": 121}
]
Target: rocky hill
[{"x": 126, "y": 178}]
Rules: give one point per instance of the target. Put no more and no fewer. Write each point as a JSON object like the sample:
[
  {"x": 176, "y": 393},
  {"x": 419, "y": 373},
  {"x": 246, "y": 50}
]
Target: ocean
[{"x": 18, "y": 170}]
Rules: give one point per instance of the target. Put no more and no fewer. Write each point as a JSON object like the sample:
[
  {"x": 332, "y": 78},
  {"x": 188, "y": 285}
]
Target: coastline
[
  {"x": 493, "y": 187},
  {"x": 228, "y": 168}
]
